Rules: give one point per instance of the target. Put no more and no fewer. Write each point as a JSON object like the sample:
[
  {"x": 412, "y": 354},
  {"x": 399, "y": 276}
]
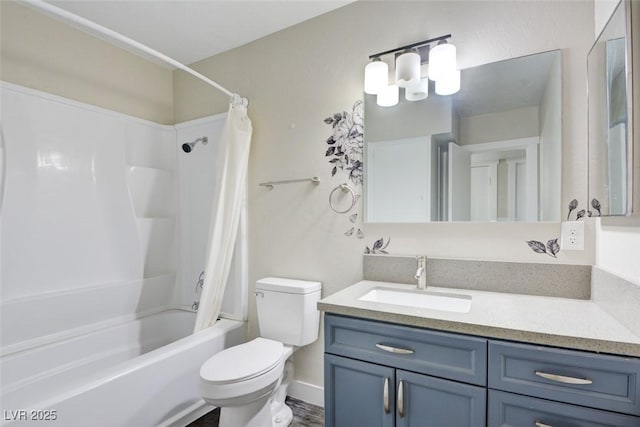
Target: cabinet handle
[
  {"x": 539, "y": 424},
  {"x": 563, "y": 379},
  {"x": 396, "y": 350},
  {"x": 385, "y": 396},
  {"x": 400, "y": 400}
]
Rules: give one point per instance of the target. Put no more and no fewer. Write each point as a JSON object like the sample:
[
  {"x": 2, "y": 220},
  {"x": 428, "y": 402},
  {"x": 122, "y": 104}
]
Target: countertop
[{"x": 562, "y": 322}]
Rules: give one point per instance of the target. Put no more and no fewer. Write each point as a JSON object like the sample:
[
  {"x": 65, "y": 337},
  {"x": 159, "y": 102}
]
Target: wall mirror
[
  {"x": 489, "y": 153},
  {"x": 610, "y": 130}
]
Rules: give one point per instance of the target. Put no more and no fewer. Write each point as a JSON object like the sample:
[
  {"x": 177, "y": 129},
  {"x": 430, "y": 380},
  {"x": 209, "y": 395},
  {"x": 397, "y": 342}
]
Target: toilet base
[
  {"x": 268, "y": 411},
  {"x": 254, "y": 414},
  {"x": 282, "y": 414},
  {"x": 283, "y": 418}
]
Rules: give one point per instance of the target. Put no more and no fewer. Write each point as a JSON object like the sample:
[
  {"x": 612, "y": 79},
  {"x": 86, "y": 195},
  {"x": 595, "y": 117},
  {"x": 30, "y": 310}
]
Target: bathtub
[{"x": 138, "y": 373}]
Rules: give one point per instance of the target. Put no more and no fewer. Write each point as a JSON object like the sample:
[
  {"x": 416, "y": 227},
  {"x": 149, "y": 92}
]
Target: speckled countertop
[{"x": 563, "y": 322}]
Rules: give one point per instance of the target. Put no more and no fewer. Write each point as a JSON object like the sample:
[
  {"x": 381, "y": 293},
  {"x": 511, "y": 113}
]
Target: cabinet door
[
  {"x": 358, "y": 394},
  {"x": 424, "y": 401}
]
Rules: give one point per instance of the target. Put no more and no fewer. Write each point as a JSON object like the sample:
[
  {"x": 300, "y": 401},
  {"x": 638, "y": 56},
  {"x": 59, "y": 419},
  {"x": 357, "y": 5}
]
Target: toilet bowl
[{"x": 249, "y": 381}]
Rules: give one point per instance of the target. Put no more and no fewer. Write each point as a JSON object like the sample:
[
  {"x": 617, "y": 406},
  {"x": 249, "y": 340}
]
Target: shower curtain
[{"x": 227, "y": 204}]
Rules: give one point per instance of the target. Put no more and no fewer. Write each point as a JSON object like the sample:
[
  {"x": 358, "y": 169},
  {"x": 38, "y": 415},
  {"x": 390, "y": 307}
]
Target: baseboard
[{"x": 306, "y": 392}]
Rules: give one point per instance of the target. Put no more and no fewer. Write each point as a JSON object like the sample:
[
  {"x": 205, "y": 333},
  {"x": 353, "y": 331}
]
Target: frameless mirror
[
  {"x": 491, "y": 152},
  {"x": 609, "y": 112}
]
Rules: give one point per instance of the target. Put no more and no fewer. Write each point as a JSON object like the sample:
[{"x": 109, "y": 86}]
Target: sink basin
[{"x": 419, "y": 299}]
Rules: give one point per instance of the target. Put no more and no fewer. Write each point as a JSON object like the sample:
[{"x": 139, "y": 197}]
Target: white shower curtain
[{"x": 227, "y": 204}]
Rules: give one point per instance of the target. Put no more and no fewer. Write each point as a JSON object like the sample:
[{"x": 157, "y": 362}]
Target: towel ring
[{"x": 345, "y": 188}]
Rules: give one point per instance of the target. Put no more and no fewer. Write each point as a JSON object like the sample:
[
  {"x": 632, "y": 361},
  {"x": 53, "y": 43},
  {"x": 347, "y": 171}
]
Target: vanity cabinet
[
  {"x": 379, "y": 374},
  {"x": 382, "y": 374}
]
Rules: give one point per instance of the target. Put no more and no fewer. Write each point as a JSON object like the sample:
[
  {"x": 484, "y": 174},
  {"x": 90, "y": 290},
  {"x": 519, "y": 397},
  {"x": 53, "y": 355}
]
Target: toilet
[{"x": 249, "y": 381}]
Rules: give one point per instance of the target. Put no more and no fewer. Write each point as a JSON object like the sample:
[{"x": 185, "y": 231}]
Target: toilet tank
[{"x": 287, "y": 310}]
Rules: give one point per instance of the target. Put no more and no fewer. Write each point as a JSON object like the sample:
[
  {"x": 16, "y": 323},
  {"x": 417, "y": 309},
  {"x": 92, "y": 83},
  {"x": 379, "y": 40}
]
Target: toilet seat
[
  {"x": 243, "y": 362},
  {"x": 243, "y": 373}
]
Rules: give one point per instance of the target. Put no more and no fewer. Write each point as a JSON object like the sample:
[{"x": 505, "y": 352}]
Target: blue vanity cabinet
[
  {"x": 380, "y": 374},
  {"x": 389, "y": 375}
]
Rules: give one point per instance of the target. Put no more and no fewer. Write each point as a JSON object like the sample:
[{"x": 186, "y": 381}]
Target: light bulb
[
  {"x": 389, "y": 96},
  {"x": 448, "y": 85},
  {"x": 376, "y": 76},
  {"x": 418, "y": 91},
  {"x": 408, "y": 69},
  {"x": 442, "y": 61}
]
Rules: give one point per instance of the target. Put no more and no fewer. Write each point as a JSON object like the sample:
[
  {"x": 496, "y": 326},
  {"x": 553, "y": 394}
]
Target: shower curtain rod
[{"x": 99, "y": 29}]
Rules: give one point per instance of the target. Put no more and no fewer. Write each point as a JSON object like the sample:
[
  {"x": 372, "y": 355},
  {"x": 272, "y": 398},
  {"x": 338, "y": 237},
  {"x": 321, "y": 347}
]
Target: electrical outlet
[{"x": 572, "y": 238}]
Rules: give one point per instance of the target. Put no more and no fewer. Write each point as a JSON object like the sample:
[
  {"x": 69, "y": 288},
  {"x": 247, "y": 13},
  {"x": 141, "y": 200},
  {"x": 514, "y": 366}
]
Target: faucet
[{"x": 421, "y": 276}]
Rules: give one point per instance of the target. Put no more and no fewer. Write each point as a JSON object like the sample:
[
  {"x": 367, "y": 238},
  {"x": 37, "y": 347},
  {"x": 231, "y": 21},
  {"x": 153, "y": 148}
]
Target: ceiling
[{"x": 190, "y": 30}]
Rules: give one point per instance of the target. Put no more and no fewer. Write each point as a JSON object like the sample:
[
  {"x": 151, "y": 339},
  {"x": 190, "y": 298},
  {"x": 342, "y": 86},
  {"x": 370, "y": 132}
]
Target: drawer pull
[
  {"x": 400, "y": 400},
  {"x": 385, "y": 396},
  {"x": 539, "y": 424},
  {"x": 396, "y": 350},
  {"x": 563, "y": 379}
]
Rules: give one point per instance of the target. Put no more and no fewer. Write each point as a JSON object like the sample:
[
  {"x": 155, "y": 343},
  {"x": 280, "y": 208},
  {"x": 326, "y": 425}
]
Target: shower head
[{"x": 188, "y": 146}]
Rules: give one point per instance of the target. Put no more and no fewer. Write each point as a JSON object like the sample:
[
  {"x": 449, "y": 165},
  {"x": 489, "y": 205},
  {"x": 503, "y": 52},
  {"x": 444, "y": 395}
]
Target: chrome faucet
[{"x": 421, "y": 275}]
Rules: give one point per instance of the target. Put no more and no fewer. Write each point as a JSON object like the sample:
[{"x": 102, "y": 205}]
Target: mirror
[
  {"x": 489, "y": 153},
  {"x": 609, "y": 111}
]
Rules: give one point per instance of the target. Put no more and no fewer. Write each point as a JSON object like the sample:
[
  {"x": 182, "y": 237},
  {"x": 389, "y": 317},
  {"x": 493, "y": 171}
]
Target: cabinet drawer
[
  {"x": 506, "y": 410},
  {"x": 444, "y": 355},
  {"x": 588, "y": 379}
]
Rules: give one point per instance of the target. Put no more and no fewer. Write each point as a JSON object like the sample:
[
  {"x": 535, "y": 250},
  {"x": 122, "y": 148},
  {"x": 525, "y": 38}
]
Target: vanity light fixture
[
  {"x": 376, "y": 76},
  {"x": 442, "y": 61},
  {"x": 418, "y": 91},
  {"x": 410, "y": 60},
  {"x": 388, "y": 96},
  {"x": 449, "y": 84},
  {"x": 408, "y": 69}
]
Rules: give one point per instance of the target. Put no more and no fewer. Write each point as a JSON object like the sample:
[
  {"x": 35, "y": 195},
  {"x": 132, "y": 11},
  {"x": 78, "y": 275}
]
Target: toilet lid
[{"x": 242, "y": 362}]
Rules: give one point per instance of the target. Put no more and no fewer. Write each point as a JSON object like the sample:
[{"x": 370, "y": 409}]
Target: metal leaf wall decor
[
  {"x": 584, "y": 213},
  {"x": 345, "y": 152},
  {"x": 378, "y": 247},
  {"x": 346, "y": 143},
  {"x": 552, "y": 248}
]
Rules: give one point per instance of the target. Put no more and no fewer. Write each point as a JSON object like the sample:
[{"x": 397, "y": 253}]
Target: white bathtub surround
[
  {"x": 90, "y": 307},
  {"x": 68, "y": 217},
  {"x": 80, "y": 311},
  {"x": 74, "y": 207},
  {"x": 227, "y": 207}
]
